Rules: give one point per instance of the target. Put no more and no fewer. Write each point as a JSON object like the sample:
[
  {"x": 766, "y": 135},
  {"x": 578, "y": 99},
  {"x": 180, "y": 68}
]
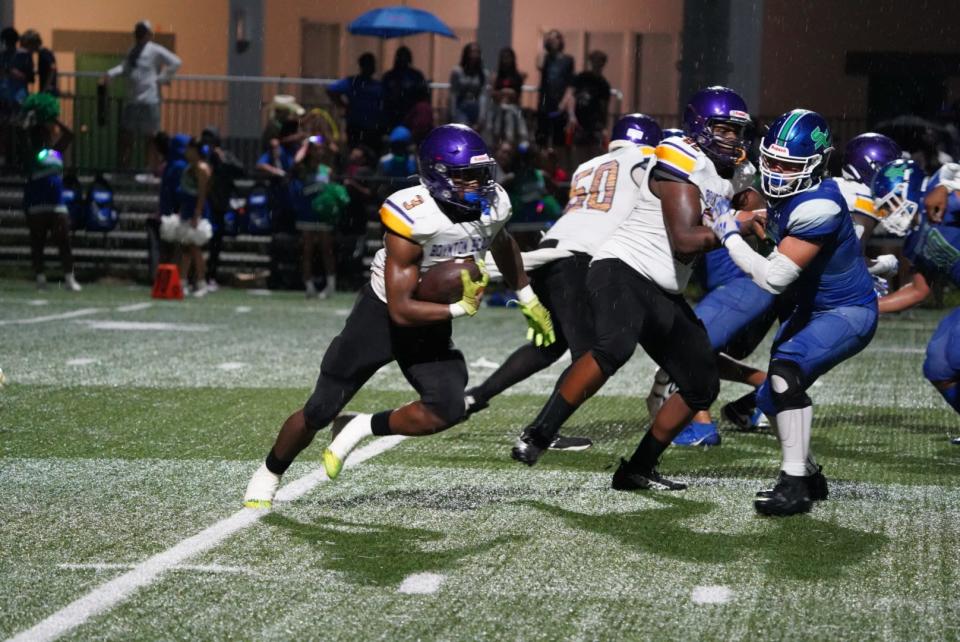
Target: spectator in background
[
  {"x": 195, "y": 227},
  {"x": 46, "y": 62},
  {"x": 469, "y": 88},
  {"x": 508, "y": 77},
  {"x": 319, "y": 204},
  {"x": 146, "y": 67},
  {"x": 225, "y": 169},
  {"x": 420, "y": 119},
  {"x": 284, "y": 109},
  {"x": 362, "y": 98},
  {"x": 173, "y": 150},
  {"x": 400, "y": 162},
  {"x": 591, "y": 100},
  {"x": 46, "y": 139},
  {"x": 556, "y": 89},
  {"x": 531, "y": 196},
  {"x": 275, "y": 166},
  {"x": 401, "y": 87},
  {"x": 362, "y": 209},
  {"x": 505, "y": 122},
  {"x": 16, "y": 70}
]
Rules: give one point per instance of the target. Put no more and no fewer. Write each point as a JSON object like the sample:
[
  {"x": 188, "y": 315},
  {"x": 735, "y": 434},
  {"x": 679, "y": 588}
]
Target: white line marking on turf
[
  {"x": 199, "y": 568},
  {"x": 260, "y": 292},
  {"x": 155, "y": 326},
  {"x": 243, "y": 309},
  {"x": 135, "y": 307},
  {"x": 483, "y": 362},
  {"x": 341, "y": 312},
  {"x": 111, "y": 593},
  {"x": 37, "y": 302},
  {"x": 83, "y": 312},
  {"x": 232, "y": 365},
  {"x": 421, "y": 583},
  {"x": 81, "y": 361},
  {"x": 711, "y": 594}
]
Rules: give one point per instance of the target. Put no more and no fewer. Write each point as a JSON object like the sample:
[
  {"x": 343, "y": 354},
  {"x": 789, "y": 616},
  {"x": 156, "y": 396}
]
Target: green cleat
[
  {"x": 331, "y": 463},
  {"x": 261, "y": 489}
]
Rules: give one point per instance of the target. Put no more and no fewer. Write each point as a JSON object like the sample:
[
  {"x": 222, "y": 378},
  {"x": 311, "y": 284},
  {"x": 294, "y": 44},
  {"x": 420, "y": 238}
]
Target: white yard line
[
  {"x": 108, "y": 595},
  {"x": 135, "y": 307},
  {"x": 421, "y": 583},
  {"x": 83, "y": 312},
  {"x": 199, "y": 568},
  {"x": 717, "y": 594}
]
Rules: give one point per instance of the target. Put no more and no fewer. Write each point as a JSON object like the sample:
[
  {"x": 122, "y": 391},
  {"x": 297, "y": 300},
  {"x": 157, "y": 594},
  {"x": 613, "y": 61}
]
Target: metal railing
[{"x": 192, "y": 102}]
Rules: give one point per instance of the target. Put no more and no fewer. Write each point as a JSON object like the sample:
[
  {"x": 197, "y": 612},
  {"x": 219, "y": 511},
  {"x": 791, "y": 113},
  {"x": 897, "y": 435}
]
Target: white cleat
[
  {"x": 261, "y": 489},
  {"x": 662, "y": 389},
  {"x": 70, "y": 282}
]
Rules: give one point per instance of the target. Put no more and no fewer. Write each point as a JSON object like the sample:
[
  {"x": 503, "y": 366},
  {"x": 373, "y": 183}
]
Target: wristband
[
  {"x": 457, "y": 310},
  {"x": 526, "y": 295}
]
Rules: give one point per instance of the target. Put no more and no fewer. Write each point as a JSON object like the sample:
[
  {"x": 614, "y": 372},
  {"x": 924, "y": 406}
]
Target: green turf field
[{"x": 129, "y": 428}]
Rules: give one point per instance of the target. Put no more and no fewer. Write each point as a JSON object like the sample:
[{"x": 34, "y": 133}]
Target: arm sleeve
[
  {"x": 774, "y": 273},
  {"x": 815, "y": 219},
  {"x": 113, "y": 72}
]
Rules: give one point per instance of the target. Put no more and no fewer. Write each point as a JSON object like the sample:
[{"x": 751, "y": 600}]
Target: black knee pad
[
  {"x": 702, "y": 395},
  {"x": 324, "y": 404},
  {"x": 611, "y": 353},
  {"x": 450, "y": 409},
  {"x": 788, "y": 386}
]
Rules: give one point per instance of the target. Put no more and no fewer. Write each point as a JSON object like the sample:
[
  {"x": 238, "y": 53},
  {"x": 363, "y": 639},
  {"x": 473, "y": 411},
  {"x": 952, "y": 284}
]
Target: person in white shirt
[{"x": 146, "y": 67}]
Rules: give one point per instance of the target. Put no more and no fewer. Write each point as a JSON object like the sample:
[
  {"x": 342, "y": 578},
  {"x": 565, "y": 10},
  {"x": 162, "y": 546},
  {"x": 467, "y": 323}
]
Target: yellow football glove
[
  {"x": 540, "y": 330},
  {"x": 472, "y": 293}
]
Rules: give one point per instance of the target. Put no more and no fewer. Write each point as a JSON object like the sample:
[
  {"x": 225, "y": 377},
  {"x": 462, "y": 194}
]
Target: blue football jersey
[
  {"x": 952, "y": 215},
  {"x": 717, "y": 268},
  {"x": 935, "y": 249},
  {"x": 838, "y": 275}
]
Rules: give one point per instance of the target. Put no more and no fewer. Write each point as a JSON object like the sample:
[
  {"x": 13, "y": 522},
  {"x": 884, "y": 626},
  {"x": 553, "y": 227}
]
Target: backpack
[
  {"x": 235, "y": 216},
  {"x": 101, "y": 213},
  {"x": 259, "y": 217},
  {"x": 73, "y": 199}
]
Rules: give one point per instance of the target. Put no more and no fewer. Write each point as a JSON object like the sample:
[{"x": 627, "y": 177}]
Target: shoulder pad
[
  {"x": 411, "y": 213},
  {"x": 858, "y": 196},
  {"x": 679, "y": 156},
  {"x": 815, "y": 213}
]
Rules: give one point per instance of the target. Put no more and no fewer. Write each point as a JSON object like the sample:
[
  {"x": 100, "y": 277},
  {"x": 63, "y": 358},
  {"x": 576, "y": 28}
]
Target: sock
[
  {"x": 380, "y": 423},
  {"x": 276, "y": 465},
  {"x": 647, "y": 454},
  {"x": 952, "y": 396},
  {"x": 331, "y": 285},
  {"x": 351, "y": 435},
  {"x": 793, "y": 427},
  {"x": 556, "y": 411}
]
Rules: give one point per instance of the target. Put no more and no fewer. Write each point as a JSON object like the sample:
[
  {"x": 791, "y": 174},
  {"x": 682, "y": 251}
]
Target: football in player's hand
[
  {"x": 749, "y": 199},
  {"x": 442, "y": 282}
]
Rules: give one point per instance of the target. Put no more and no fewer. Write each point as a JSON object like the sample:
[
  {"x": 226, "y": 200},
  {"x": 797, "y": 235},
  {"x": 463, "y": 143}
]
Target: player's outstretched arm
[
  {"x": 401, "y": 274},
  {"x": 682, "y": 217},
  {"x": 909, "y": 295},
  {"x": 506, "y": 254}
]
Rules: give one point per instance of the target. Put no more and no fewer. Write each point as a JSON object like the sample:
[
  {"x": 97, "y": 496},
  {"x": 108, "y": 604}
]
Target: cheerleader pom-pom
[
  {"x": 170, "y": 228},
  {"x": 198, "y": 235}
]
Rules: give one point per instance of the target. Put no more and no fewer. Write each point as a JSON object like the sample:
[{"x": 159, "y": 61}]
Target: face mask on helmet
[
  {"x": 722, "y": 141},
  {"x": 897, "y": 212},
  {"x": 785, "y": 175},
  {"x": 469, "y": 190}
]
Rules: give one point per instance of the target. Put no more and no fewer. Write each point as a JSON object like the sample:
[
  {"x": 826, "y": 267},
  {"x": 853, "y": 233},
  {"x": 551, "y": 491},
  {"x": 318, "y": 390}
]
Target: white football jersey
[
  {"x": 602, "y": 195},
  {"x": 642, "y": 241},
  {"x": 858, "y": 196},
  {"x": 413, "y": 214}
]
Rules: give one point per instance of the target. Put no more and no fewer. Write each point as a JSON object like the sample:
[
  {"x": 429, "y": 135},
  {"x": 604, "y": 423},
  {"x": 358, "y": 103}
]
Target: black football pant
[{"x": 370, "y": 340}]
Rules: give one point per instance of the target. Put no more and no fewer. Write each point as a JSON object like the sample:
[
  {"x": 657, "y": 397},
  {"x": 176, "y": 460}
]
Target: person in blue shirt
[
  {"x": 362, "y": 97},
  {"x": 818, "y": 267},
  {"x": 275, "y": 165},
  {"x": 932, "y": 249},
  {"x": 400, "y": 162}
]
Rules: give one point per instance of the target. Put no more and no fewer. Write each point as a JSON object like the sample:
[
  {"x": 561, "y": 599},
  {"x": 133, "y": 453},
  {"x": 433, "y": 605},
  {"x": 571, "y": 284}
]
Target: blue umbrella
[{"x": 396, "y": 22}]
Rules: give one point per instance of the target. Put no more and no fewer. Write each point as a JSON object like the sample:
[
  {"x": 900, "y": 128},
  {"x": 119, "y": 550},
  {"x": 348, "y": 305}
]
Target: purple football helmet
[
  {"x": 865, "y": 154},
  {"x": 670, "y": 132},
  {"x": 457, "y": 169},
  {"x": 709, "y": 107},
  {"x": 635, "y": 129}
]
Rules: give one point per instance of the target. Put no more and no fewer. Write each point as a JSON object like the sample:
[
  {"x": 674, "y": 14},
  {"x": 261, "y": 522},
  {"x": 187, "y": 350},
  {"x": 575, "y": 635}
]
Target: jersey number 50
[{"x": 600, "y": 194}]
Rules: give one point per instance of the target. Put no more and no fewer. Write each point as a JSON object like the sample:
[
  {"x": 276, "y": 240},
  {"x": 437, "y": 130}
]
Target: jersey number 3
[{"x": 600, "y": 194}]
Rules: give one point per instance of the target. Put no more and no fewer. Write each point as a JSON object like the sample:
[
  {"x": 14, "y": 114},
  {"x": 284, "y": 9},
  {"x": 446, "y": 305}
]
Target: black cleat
[
  {"x": 473, "y": 402},
  {"x": 955, "y": 441},
  {"x": 530, "y": 445},
  {"x": 743, "y": 413},
  {"x": 570, "y": 443},
  {"x": 816, "y": 486},
  {"x": 789, "y": 497},
  {"x": 627, "y": 478}
]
